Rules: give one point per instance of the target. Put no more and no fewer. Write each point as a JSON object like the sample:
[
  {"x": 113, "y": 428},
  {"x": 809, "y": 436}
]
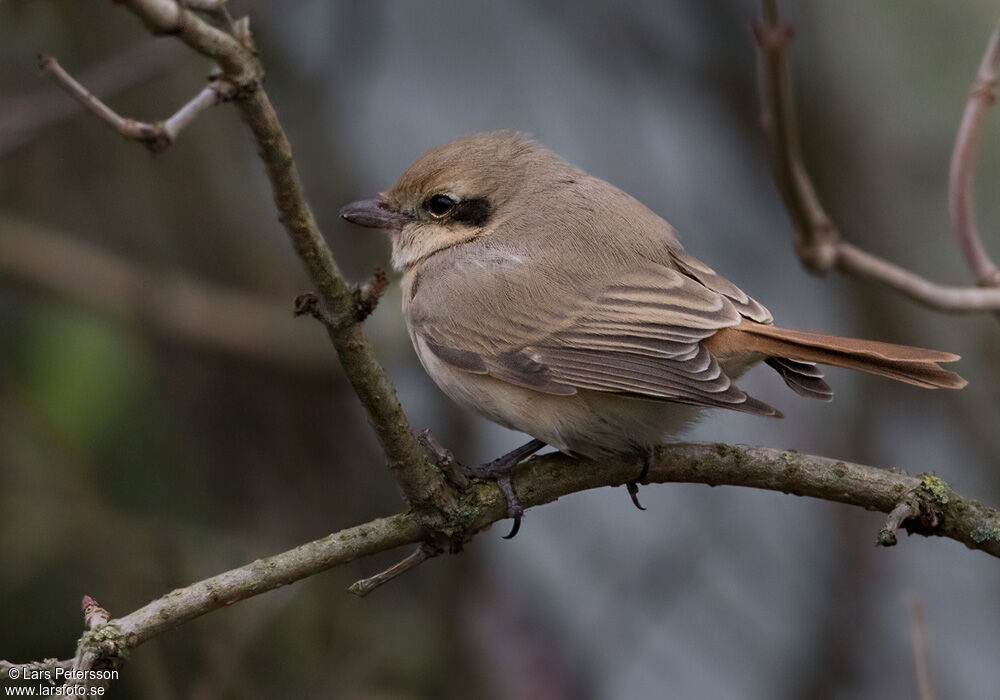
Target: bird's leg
[
  {"x": 499, "y": 469},
  {"x": 633, "y": 486}
]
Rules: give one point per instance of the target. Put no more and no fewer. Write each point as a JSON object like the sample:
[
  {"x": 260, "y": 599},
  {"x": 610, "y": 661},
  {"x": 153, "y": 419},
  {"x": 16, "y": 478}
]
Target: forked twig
[
  {"x": 818, "y": 241},
  {"x": 156, "y": 136}
]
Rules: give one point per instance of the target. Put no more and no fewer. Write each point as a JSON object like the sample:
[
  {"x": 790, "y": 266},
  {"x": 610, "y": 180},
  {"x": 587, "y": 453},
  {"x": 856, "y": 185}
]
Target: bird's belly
[{"x": 589, "y": 423}]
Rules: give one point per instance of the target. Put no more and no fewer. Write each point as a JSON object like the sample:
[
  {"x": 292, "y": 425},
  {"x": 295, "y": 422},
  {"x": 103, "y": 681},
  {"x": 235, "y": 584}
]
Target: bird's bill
[{"x": 374, "y": 213}]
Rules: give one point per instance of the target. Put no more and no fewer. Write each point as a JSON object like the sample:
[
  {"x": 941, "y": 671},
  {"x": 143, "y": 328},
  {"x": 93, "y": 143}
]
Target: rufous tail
[{"x": 903, "y": 363}]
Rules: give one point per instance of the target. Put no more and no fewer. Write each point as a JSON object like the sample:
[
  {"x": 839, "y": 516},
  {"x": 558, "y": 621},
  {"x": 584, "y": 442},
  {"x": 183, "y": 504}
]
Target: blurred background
[{"x": 163, "y": 417}]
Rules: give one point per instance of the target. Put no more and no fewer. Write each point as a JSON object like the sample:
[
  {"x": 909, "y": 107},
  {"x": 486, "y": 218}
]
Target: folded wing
[{"x": 640, "y": 336}]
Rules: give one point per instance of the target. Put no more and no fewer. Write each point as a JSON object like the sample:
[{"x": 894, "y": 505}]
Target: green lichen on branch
[
  {"x": 934, "y": 488},
  {"x": 104, "y": 647},
  {"x": 985, "y": 533}
]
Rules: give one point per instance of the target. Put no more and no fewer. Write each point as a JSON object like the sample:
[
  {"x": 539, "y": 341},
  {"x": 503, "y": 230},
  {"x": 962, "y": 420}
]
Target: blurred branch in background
[
  {"x": 24, "y": 116},
  {"x": 962, "y": 174},
  {"x": 818, "y": 241},
  {"x": 921, "y": 653},
  {"x": 170, "y": 305}
]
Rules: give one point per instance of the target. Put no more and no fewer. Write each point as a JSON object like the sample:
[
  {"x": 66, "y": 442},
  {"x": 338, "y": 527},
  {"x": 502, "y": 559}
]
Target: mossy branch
[{"x": 935, "y": 510}]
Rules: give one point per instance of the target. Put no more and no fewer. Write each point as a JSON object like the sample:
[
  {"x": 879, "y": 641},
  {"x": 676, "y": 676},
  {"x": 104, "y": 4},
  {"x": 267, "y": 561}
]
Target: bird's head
[{"x": 458, "y": 192}]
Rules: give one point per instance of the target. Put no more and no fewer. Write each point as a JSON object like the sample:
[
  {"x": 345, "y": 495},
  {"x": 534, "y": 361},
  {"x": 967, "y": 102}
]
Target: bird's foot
[
  {"x": 500, "y": 471},
  {"x": 633, "y": 486}
]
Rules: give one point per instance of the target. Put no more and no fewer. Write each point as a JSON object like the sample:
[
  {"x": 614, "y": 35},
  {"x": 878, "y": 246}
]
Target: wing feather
[
  {"x": 698, "y": 270},
  {"x": 640, "y": 336}
]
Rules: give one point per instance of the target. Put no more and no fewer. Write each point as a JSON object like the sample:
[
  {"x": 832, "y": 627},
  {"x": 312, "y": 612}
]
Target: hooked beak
[{"x": 374, "y": 213}]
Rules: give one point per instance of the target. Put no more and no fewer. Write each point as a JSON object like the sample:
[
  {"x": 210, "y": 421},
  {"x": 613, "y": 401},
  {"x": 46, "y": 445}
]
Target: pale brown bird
[{"x": 553, "y": 303}]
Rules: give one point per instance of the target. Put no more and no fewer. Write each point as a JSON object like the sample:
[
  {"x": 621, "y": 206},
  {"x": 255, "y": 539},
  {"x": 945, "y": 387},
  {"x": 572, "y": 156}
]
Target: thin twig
[
  {"x": 367, "y": 585},
  {"x": 50, "y": 67},
  {"x": 366, "y": 298},
  {"x": 887, "y": 535},
  {"x": 25, "y": 115},
  {"x": 962, "y": 174},
  {"x": 921, "y": 654},
  {"x": 209, "y": 96},
  {"x": 94, "y": 615},
  {"x": 156, "y": 136},
  {"x": 864, "y": 265},
  {"x": 99, "y": 648},
  {"x": 818, "y": 242}
]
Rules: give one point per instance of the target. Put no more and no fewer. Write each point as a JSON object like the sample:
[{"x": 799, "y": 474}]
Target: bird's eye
[{"x": 439, "y": 205}]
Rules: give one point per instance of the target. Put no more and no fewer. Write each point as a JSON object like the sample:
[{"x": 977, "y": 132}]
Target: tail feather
[
  {"x": 804, "y": 378},
  {"x": 903, "y": 363}
]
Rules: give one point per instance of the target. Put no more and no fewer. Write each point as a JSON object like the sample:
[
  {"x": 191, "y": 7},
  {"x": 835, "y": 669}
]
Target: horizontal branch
[
  {"x": 818, "y": 241},
  {"x": 934, "y": 509}
]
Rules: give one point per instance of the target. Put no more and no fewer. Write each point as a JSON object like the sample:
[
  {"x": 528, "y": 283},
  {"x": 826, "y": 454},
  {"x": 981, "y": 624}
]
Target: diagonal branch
[
  {"x": 818, "y": 242},
  {"x": 935, "y": 510},
  {"x": 421, "y": 481},
  {"x": 414, "y": 559}
]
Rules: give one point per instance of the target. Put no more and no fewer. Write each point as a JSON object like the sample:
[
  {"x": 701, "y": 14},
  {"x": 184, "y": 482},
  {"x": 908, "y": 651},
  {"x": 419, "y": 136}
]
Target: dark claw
[
  {"x": 514, "y": 509},
  {"x": 633, "y": 486},
  {"x": 633, "y": 492},
  {"x": 514, "y": 529}
]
